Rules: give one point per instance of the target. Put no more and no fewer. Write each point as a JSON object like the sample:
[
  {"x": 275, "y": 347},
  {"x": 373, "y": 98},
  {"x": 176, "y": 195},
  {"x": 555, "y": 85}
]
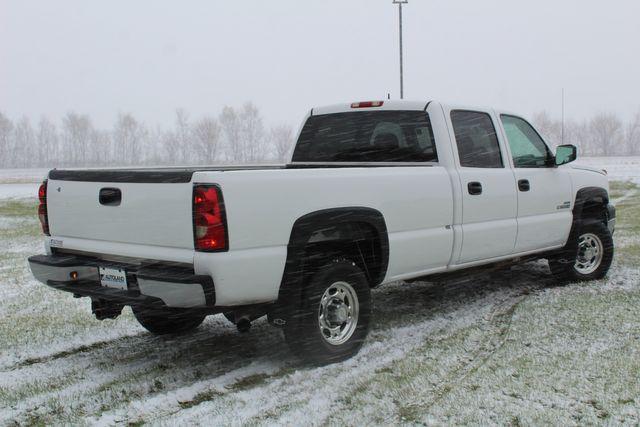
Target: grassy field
[{"x": 507, "y": 347}]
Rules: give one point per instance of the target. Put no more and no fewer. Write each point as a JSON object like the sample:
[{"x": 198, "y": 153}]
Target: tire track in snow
[
  {"x": 624, "y": 197},
  {"x": 117, "y": 367},
  {"x": 496, "y": 333}
]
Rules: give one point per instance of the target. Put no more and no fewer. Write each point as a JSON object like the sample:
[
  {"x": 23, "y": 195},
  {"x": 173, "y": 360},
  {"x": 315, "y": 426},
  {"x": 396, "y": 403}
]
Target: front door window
[{"x": 527, "y": 147}]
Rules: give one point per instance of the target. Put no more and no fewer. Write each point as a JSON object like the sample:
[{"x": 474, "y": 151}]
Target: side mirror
[{"x": 566, "y": 154}]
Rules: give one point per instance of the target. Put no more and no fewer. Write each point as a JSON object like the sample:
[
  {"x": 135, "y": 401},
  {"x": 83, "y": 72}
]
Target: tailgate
[{"x": 154, "y": 213}]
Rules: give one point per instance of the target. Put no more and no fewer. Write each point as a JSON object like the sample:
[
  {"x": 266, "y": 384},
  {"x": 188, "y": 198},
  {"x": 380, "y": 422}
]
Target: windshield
[{"x": 371, "y": 136}]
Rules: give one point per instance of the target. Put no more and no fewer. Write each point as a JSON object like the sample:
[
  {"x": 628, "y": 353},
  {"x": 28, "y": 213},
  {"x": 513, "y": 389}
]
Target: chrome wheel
[
  {"x": 338, "y": 313},
  {"x": 590, "y": 253}
]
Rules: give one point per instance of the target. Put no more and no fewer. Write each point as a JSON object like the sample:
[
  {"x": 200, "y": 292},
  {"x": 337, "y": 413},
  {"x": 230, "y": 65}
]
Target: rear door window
[
  {"x": 367, "y": 136},
  {"x": 476, "y": 139}
]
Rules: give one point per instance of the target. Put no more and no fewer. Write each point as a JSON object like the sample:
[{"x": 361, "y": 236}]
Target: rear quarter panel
[{"x": 262, "y": 206}]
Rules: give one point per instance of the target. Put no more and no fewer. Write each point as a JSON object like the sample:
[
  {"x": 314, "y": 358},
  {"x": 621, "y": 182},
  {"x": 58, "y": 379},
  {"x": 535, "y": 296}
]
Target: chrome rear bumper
[{"x": 155, "y": 285}]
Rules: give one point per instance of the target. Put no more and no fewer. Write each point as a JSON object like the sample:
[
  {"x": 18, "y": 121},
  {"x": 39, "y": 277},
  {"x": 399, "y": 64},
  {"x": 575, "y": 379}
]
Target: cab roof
[
  {"x": 404, "y": 105},
  {"x": 370, "y": 105}
]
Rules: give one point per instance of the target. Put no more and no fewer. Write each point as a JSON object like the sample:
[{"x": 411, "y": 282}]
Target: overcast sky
[{"x": 149, "y": 57}]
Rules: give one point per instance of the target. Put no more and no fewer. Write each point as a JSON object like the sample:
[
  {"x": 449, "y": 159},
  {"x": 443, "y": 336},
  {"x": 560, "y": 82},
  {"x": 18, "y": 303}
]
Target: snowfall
[{"x": 507, "y": 347}]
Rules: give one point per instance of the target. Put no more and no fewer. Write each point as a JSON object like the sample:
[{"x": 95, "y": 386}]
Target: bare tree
[
  {"x": 206, "y": 139},
  {"x": 101, "y": 151},
  {"x": 252, "y": 133},
  {"x": 605, "y": 132},
  {"x": 176, "y": 142},
  {"x": 128, "y": 138},
  {"x": 24, "y": 144},
  {"x": 76, "y": 135},
  {"x": 155, "y": 151},
  {"x": 6, "y": 140},
  {"x": 171, "y": 147},
  {"x": 577, "y": 133},
  {"x": 47, "y": 141},
  {"x": 231, "y": 128},
  {"x": 550, "y": 129},
  {"x": 632, "y": 135},
  {"x": 183, "y": 135},
  {"x": 281, "y": 138}
]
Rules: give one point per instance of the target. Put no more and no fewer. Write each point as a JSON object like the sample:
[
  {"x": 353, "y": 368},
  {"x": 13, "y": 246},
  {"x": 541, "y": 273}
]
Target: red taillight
[
  {"x": 367, "y": 104},
  {"x": 209, "y": 220},
  {"x": 42, "y": 207}
]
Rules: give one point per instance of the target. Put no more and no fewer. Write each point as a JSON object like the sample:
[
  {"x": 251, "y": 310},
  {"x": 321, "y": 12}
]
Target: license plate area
[{"x": 115, "y": 278}]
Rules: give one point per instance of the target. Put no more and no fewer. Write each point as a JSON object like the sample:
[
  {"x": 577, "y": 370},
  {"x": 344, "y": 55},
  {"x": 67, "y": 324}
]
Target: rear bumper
[{"x": 156, "y": 285}]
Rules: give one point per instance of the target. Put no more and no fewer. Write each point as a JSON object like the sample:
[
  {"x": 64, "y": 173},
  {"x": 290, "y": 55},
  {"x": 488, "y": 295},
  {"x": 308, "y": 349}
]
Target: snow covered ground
[
  {"x": 507, "y": 347},
  {"x": 22, "y": 175},
  {"x": 19, "y": 191},
  {"x": 20, "y": 183},
  {"x": 618, "y": 168}
]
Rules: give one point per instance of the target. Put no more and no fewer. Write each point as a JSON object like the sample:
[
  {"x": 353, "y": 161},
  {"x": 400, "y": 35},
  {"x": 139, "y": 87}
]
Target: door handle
[
  {"x": 110, "y": 196},
  {"x": 523, "y": 185},
  {"x": 475, "y": 188}
]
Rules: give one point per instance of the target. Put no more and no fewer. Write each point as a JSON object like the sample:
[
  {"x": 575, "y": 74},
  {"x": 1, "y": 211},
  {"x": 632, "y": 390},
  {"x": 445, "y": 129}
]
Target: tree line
[
  {"x": 236, "y": 135},
  {"x": 604, "y": 134}
]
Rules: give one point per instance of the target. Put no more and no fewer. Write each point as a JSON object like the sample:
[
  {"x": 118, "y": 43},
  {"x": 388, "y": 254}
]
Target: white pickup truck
[{"x": 375, "y": 192}]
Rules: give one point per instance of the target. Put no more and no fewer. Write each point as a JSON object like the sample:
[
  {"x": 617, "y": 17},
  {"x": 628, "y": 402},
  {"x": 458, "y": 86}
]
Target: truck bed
[{"x": 182, "y": 174}]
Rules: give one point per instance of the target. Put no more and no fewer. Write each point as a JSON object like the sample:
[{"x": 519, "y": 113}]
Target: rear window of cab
[{"x": 367, "y": 136}]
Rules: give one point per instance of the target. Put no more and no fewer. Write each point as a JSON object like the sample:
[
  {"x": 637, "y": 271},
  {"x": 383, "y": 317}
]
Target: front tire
[
  {"x": 164, "y": 322},
  {"x": 591, "y": 258},
  {"x": 332, "y": 319}
]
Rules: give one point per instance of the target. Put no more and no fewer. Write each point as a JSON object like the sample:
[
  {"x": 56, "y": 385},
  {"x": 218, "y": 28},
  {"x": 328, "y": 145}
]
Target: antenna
[{"x": 562, "y": 138}]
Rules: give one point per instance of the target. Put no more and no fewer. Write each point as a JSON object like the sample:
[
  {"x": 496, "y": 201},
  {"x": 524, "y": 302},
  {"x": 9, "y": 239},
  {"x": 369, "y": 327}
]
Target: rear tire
[
  {"x": 164, "y": 322},
  {"x": 332, "y": 319},
  {"x": 591, "y": 258}
]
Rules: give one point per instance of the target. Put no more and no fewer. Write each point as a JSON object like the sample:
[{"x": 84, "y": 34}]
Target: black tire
[
  {"x": 303, "y": 329},
  {"x": 164, "y": 322},
  {"x": 565, "y": 267}
]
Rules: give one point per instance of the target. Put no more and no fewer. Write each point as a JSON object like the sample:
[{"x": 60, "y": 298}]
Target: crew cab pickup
[{"x": 375, "y": 192}]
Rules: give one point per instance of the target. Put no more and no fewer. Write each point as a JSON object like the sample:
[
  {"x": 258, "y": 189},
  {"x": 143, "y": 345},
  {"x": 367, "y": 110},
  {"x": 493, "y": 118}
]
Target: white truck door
[
  {"x": 544, "y": 190},
  {"x": 489, "y": 199}
]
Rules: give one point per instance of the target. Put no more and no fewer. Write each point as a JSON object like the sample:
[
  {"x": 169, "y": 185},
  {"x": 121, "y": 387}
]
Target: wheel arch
[
  {"x": 326, "y": 233},
  {"x": 590, "y": 204}
]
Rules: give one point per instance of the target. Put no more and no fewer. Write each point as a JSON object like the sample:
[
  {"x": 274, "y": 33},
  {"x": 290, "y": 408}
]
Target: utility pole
[{"x": 400, "y": 3}]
